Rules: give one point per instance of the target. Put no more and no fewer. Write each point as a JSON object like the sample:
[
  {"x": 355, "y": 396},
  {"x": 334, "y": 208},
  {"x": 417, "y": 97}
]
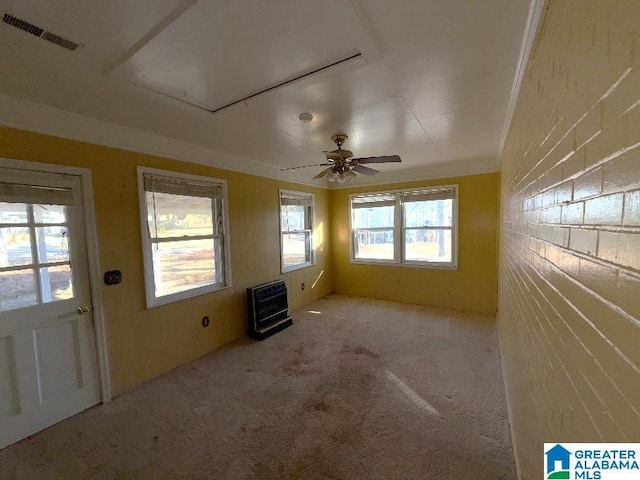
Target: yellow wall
[
  {"x": 145, "y": 343},
  {"x": 472, "y": 287},
  {"x": 569, "y": 310}
]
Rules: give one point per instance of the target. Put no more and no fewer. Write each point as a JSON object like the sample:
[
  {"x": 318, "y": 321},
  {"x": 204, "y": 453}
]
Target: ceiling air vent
[
  {"x": 22, "y": 25},
  {"x": 39, "y": 32},
  {"x": 63, "y": 42}
]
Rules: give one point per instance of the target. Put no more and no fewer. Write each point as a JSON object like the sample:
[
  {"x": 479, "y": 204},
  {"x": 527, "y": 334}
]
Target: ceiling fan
[{"x": 342, "y": 167}]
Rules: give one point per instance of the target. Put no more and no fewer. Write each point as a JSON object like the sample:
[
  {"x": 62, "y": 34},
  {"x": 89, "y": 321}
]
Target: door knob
[{"x": 83, "y": 310}]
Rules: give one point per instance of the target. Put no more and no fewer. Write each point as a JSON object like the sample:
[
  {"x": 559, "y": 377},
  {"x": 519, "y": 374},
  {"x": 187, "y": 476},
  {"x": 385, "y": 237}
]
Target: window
[
  {"x": 184, "y": 235},
  {"x": 296, "y": 224},
  {"x": 35, "y": 264},
  {"x": 416, "y": 227},
  {"x": 373, "y": 218}
]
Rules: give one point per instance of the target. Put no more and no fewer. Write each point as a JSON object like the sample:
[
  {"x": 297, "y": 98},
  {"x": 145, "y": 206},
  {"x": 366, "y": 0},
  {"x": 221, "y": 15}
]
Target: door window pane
[
  {"x": 56, "y": 283},
  {"x": 50, "y": 213},
  {"x": 15, "y": 246},
  {"x": 183, "y": 265},
  {"x": 13, "y": 212},
  {"x": 18, "y": 289},
  {"x": 428, "y": 245},
  {"x": 53, "y": 244}
]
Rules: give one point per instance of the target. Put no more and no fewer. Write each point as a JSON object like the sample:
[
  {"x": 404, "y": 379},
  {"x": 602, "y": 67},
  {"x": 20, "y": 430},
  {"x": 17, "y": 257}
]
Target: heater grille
[
  {"x": 39, "y": 32},
  {"x": 268, "y": 309}
]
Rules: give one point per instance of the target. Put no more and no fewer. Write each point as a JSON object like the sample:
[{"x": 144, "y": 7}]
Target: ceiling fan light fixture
[
  {"x": 341, "y": 177},
  {"x": 349, "y": 175}
]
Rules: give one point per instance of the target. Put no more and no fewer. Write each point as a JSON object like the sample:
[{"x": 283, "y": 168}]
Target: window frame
[
  {"x": 147, "y": 244},
  {"x": 312, "y": 260},
  {"x": 399, "y": 229}
]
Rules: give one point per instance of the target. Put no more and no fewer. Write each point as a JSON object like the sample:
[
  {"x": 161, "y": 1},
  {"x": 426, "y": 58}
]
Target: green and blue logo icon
[{"x": 558, "y": 463}]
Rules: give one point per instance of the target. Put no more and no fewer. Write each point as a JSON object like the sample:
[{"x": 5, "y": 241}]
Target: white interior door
[{"x": 48, "y": 362}]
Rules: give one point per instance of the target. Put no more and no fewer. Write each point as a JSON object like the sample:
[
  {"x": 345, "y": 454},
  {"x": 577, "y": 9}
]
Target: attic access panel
[{"x": 221, "y": 51}]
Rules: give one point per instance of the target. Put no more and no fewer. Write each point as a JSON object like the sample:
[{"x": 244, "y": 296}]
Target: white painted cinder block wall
[{"x": 569, "y": 280}]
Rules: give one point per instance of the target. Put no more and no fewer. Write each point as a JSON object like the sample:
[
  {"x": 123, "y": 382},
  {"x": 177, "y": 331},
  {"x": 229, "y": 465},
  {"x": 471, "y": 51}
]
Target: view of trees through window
[
  {"x": 185, "y": 247},
  {"x": 35, "y": 267},
  {"x": 421, "y": 233},
  {"x": 373, "y": 228},
  {"x": 296, "y": 218},
  {"x": 427, "y": 230}
]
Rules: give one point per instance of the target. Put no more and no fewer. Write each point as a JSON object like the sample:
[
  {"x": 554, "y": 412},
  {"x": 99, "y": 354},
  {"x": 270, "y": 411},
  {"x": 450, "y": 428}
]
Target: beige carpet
[{"x": 355, "y": 389}]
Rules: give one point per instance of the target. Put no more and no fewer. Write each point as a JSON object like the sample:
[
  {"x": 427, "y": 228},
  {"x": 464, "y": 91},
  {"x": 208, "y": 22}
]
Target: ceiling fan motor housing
[
  {"x": 340, "y": 139},
  {"x": 341, "y": 167}
]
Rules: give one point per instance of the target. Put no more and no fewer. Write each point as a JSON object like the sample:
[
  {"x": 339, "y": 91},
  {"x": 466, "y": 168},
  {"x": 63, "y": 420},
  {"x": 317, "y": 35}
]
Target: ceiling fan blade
[
  {"x": 323, "y": 173},
  {"x": 385, "y": 159},
  {"x": 305, "y": 166},
  {"x": 364, "y": 170}
]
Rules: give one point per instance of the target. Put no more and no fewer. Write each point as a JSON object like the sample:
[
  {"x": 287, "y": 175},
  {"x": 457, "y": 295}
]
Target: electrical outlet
[
  {"x": 205, "y": 321},
  {"x": 302, "y": 286}
]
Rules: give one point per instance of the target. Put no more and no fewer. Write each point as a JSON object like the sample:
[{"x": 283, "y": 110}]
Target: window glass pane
[
  {"x": 172, "y": 215},
  {"x": 50, "y": 213},
  {"x": 183, "y": 265},
  {"x": 13, "y": 212},
  {"x": 296, "y": 249},
  {"x": 56, "y": 283},
  {"x": 294, "y": 217},
  {"x": 15, "y": 246},
  {"x": 428, "y": 245},
  {"x": 430, "y": 213},
  {"x": 17, "y": 289},
  {"x": 373, "y": 244},
  {"x": 373, "y": 217},
  {"x": 53, "y": 244}
]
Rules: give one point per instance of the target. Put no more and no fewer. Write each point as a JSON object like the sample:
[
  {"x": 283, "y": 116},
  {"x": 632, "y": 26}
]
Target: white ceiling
[{"x": 433, "y": 83}]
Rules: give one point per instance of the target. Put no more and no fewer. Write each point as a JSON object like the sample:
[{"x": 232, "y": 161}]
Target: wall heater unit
[{"x": 268, "y": 309}]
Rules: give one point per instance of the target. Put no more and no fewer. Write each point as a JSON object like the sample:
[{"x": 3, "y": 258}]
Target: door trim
[{"x": 92, "y": 256}]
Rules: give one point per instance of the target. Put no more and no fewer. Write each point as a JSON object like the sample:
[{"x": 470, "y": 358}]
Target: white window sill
[
  {"x": 391, "y": 263},
  {"x": 296, "y": 267}
]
